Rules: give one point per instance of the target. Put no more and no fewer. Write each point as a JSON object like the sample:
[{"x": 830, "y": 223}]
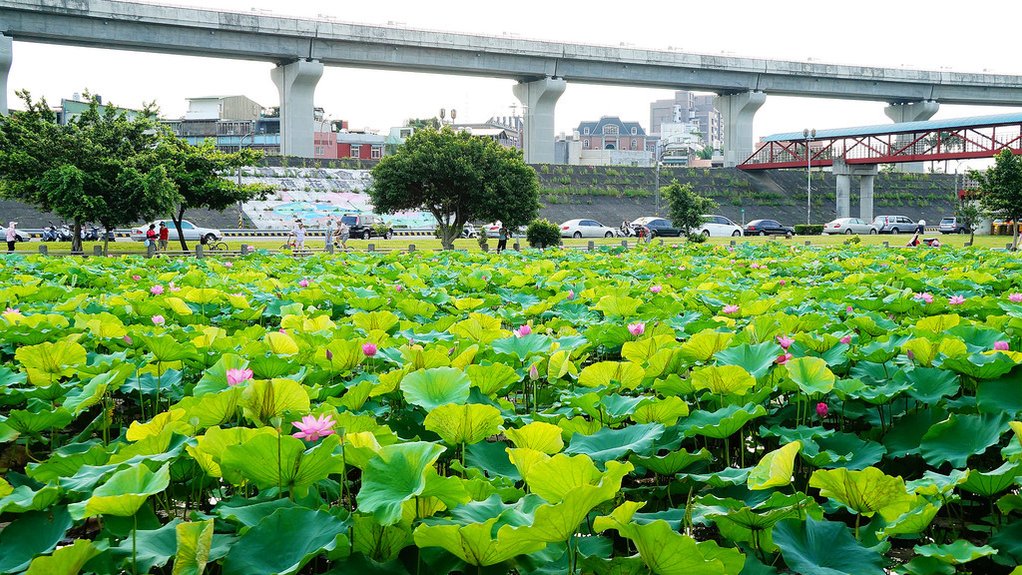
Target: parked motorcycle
[
  {"x": 50, "y": 233},
  {"x": 91, "y": 233},
  {"x": 64, "y": 234}
]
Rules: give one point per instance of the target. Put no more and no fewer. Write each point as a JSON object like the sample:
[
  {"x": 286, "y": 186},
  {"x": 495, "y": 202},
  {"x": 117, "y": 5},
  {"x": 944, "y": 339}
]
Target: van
[{"x": 894, "y": 224}]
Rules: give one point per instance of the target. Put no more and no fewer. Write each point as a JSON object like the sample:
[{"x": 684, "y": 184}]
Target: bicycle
[{"x": 218, "y": 247}]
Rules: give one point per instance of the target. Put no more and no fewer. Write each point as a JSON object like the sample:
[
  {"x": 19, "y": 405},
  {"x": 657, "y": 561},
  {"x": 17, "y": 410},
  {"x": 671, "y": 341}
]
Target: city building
[
  {"x": 505, "y": 130},
  {"x": 688, "y": 113},
  {"x": 605, "y": 142},
  {"x": 71, "y": 109}
]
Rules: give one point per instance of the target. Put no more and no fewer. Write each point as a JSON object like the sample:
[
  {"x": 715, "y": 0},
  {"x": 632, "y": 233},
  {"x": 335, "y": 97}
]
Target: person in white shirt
[
  {"x": 329, "y": 233},
  {"x": 300, "y": 236},
  {"x": 12, "y": 237}
]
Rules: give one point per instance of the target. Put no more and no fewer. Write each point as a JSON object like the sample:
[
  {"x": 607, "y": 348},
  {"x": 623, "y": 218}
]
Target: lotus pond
[{"x": 764, "y": 408}]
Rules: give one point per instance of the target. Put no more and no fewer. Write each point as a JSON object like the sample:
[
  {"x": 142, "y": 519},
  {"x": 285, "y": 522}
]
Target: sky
[{"x": 972, "y": 37}]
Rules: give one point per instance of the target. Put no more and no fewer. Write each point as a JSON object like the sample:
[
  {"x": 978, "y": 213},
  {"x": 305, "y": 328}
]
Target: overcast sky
[{"x": 975, "y": 36}]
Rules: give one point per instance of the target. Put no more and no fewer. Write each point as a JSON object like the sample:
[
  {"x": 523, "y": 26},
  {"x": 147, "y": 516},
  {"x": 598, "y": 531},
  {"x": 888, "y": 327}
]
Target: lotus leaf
[
  {"x": 296, "y": 535},
  {"x": 395, "y": 475},
  {"x": 476, "y": 543},
  {"x": 48, "y": 362},
  {"x": 194, "y": 540},
  {"x": 265, "y": 399},
  {"x": 824, "y": 547},
  {"x": 431, "y": 388},
  {"x": 460, "y": 424},
  {"x": 123, "y": 493},
  {"x": 775, "y": 468},
  {"x": 540, "y": 436},
  {"x": 955, "y": 553},
  {"x": 608, "y": 444},
  {"x": 67, "y": 560},
  {"x": 958, "y": 437},
  {"x": 268, "y": 460},
  {"x": 864, "y": 492}
]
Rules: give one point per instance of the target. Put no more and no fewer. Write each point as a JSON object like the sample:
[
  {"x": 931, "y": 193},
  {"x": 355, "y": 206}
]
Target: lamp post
[{"x": 809, "y": 135}]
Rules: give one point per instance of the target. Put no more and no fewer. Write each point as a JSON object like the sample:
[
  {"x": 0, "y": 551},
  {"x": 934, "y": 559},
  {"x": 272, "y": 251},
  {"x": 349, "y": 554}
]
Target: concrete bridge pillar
[
  {"x": 911, "y": 112},
  {"x": 866, "y": 174},
  {"x": 296, "y": 83},
  {"x": 539, "y": 98},
  {"x": 6, "y": 58},
  {"x": 843, "y": 209},
  {"x": 866, "y": 196},
  {"x": 737, "y": 112}
]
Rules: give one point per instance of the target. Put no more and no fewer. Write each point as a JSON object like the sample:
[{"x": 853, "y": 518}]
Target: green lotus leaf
[
  {"x": 93, "y": 392},
  {"x": 480, "y": 328},
  {"x": 933, "y": 483},
  {"x": 671, "y": 463},
  {"x": 913, "y": 521},
  {"x": 993, "y": 482},
  {"x": 48, "y": 362},
  {"x": 553, "y": 477},
  {"x": 395, "y": 475},
  {"x": 842, "y": 450},
  {"x": 461, "y": 424},
  {"x": 523, "y": 347},
  {"x": 268, "y": 461},
  {"x": 958, "y": 437},
  {"x": 544, "y": 437},
  {"x": 929, "y": 566},
  {"x": 997, "y": 396},
  {"x": 625, "y": 374},
  {"x": 379, "y": 542},
  {"x": 756, "y": 359},
  {"x": 295, "y": 535},
  {"x": 644, "y": 350},
  {"x": 280, "y": 343},
  {"x": 476, "y": 543},
  {"x": 123, "y": 493},
  {"x": 31, "y": 534},
  {"x": 938, "y": 324},
  {"x": 492, "y": 379},
  {"x": 824, "y": 548},
  {"x": 618, "y": 306},
  {"x": 727, "y": 477},
  {"x": 977, "y": 338},
  {"x": 23, "y": 498},
  {"x": 723, "y": 379},
  {"x": 103, "y": 325},
  {"x": 560, "y": 366},
  {"x": 215, "y": 378},
  {"x": 375, "y": 321},
  {"x": 811, "y": 375},
  {"x": 201, "y": 296},
  {"x": 149, "y": 547},
  {"x": 722, "y": 423},
  {"x": 751, "y": 526},
  {"x": 929, "y": 385},
  {"x": 614, "y": 407},
  {"x": 431, "y": 388},
  {"x": 194, "y": 540},
  {"x": 881, "y": 351},
  {"x": 31, "y": 423},
  {"x": 775, "y": 468},
  {"x": 264, "y": 399},
  {"x": 559, "y": 521},
  {"x": 607, "y": 444},
  {"x": 705, "y": 344},
  {"x": 665, "y": 411},
  {"x": 165, "y": 348},
  {"x": 864, "y": 492},
  {"x": 925, "y": 351},
  {"x": 212, "y": 408},
  {"x": 67, "y": 560},
  {"x": 956, "y": 553},
  {"x": 980, "y": 365}
]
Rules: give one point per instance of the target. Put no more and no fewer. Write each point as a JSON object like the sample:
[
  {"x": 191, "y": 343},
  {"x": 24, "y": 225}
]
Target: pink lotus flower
[
  {"x": 782, "y": 282},
  {"x": 784, "y": 341},
  {"x": 369, "y": 349},
  {"x": 158, "y": 320},
  {"x": 12, "y": 311},
  {"x": 533, "y": 372},
  {"x": 911, "y": 355},
  {"x": 156, "y": 290},
  {"x": 848, "y": 309},
  {"x": 1015, "y": 297},
  {"x": 329, "y": 355},
  {"x": 236, "y": 376},
  {"x": 637, "y": 328},
  {"x": 522, "y": 331},
  {"x": 956, "y": 300},
  {"x": 846, "y": 339},
  {"x": 174, "y": 287},
  {"x": 821, "y": 409},
  {"x": 571, "y": 294},
  {"x": 304, "y": 283},
  {"x": 399, "y": 288},
  {"x": 282, "y": 330},
  {"x": 127, "y": 339},
  {"x": 1001, "y": 346},
  {"x": 655, "y": 289},
  {"x": 312, "y": 428},
  {"x": 228, "y": 264},
  {"x": 136, "y": 277},
  {"x": 924, "y": 297},
  {"x": 730, "y": 309},
  {"x": 783, "y": 358}
]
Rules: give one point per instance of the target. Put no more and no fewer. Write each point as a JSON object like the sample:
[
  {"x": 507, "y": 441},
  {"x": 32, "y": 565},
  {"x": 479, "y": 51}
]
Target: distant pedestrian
[
  {"x": 921, "y": 227},
  {"x": 12, "y": 236},
  {"x": 151, "y": 236},
  {"x": 164, "y": 236},
  {"x": 300, "y": 236},
  {"x": 329, "y": 231},
  {"x": 502, "y": 239},
  {"x": 343, "y": 232}
]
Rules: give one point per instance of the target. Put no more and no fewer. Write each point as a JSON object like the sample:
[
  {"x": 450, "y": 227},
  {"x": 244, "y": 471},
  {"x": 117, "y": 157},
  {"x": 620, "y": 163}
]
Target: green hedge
[{"x": 808, "y": 229}]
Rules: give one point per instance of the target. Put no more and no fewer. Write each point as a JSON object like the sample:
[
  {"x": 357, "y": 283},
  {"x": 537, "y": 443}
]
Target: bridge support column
[
  {"x": 844, "y": 173},
  {"x": 843, "y": 209},
  {"x": 911, "y": 112},
  {"x": 539, "y": 98},
  {"x": 6, "y": 58},
  {"x": 296, "y": 83},
  {"x": 866, "y": 196},
  {"x": 737, "y": 112}
]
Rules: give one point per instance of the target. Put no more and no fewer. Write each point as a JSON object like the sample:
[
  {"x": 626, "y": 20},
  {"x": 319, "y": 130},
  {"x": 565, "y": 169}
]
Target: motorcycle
[
  {"x": 50, "y": 233},
  {"x": 64, "y": 234},
  {"x": 90, "y": 233},
  {"x": 624, "y": 231}
]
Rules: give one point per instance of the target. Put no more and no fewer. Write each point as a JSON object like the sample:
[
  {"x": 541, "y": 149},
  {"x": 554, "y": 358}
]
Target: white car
[
  {"x": 585, "y": 229},
  {"x": 718, "y": 226},
  {"x": 849, "y": 226},
  {"x": 191, "y": 232}
]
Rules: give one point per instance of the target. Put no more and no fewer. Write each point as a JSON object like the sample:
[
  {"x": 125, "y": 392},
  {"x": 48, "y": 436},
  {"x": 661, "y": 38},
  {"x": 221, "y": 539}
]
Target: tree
[
  {"x": 456, "y": 177},
  {"x": 1000, "y": 190},
  {"x": 423, "y": 123},
  {"x": 202, "y": 176},
  {"x": 706, "y": 153},
  {"x": 686, "y": 207},
  {"x": 98, "y": 167},
  {"x": 969, "y": 212}
]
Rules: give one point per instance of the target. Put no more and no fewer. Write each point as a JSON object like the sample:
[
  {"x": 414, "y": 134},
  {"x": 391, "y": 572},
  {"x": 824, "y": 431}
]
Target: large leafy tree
[
  {"x": 686, "y": 207},
  {"x": 457, "y": 177},
  {"x": 99, "y": 167},
  {"x": 1000, "y": 189},
  {"x": 201, "y": 176}
]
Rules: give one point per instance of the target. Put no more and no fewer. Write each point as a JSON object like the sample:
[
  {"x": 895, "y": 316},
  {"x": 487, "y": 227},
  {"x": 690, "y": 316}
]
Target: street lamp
[
  {"x": 809, "y": 135},
  {"x": 443, "y": 113}
]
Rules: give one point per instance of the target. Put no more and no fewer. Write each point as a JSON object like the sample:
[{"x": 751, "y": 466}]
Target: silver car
[
  {"x": 894, "y": 224},
  {"x": 849, "y": 226},
  {"x": 191, "y": 231}
]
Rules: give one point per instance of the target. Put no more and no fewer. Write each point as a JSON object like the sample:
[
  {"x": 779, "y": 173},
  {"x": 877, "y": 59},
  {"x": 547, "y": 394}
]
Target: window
[
  {"x": 635, "y": 131},
  {"x": 186, "y": 225},
  {"x": 319, "y": 150},
  {"x": 356, "y": 151},
  {"x": 610, "y": 130},
  {"x": 635, "y": 144},
  {"x": 585, "y": 143},
  {"x": 376, "y": 153},
  {"x": 585, "y": 131}
]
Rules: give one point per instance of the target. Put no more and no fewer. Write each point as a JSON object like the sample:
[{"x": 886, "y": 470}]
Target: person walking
[
  {"x": 343, "y": 232},
  {"x": 502, "y": 239},
  {"x": 921, "y": 227},
  {"x": 300, "y": 236},
  {"x": 12, "y": 237},
  {"x": 164, "y": 236},
  {"x": 151, "y": 236},
  {"x": 329, "y": 239}
]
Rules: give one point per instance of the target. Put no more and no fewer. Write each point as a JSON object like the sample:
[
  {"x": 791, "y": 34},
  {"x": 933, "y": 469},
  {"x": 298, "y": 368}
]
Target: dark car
[
  {"x": 768, "y": 227},
  {"x": 657, "y": 227},
  {"x": 367, "y": 226}
]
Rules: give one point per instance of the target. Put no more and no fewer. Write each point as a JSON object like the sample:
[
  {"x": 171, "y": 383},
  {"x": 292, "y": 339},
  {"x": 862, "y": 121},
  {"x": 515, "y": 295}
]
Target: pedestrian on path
[
  {"x": 329, "y": 240},
  {"x": 12, "y": 236},
  {"x": 164, "y": 236},
  {"x": 344, "y": 232},
  {"x": 502, "y": 239}
]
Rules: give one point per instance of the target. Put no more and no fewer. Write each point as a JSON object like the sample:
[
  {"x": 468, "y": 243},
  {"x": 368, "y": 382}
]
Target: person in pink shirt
[{"x": 12, "y": 236}]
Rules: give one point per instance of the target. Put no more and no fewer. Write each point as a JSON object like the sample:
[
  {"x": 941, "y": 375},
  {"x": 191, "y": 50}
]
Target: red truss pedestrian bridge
[{"x": 932, "y": 140}]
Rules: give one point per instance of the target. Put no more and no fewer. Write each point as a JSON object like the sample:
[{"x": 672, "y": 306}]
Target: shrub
[
  {"x": 482, "y": 240},
  {"x": 696, "y": 238},
  {"x": 854, "y": 240},
  {"x": 541, "y": 234},
  {"x": 808, "y": 229}
]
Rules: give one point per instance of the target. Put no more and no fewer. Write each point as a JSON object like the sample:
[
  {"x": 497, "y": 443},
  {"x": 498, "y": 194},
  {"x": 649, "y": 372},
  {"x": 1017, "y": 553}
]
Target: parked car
[
  {"x": 192, "y": 232},
  {"x": 469, "y": 231},
  {"x": 849, "y": 226},
  {"x": 21, "y": 236},
  {"x": 656, "y": 226},
  {"x": 894, "y": 224},
  {"x": 585, "y": 229},
  {"x": 952, "y": 225},
  {"x": 768, "y": 227},
  {"x": 367, "y": 226},
  {"x": 715, "y": 226}
]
